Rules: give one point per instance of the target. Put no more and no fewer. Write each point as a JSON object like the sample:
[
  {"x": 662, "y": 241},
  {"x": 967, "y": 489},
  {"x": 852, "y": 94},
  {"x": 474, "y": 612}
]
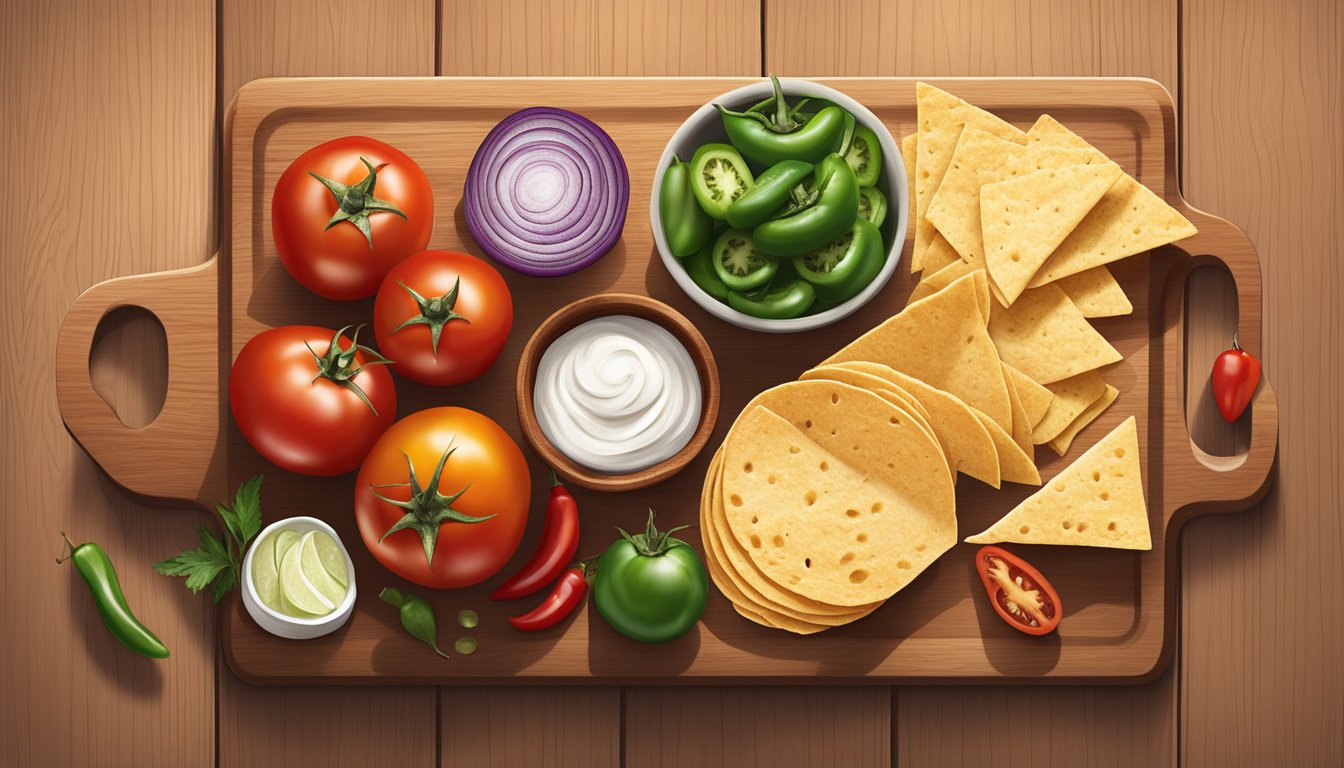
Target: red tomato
[
  {"x": 318, "y": 227},
  {"x": 1019, "y": 593},
  {"x": 454, "y": 325},
  {"x": 303, "y": 412},
  {"x": 455, "y": 476}
]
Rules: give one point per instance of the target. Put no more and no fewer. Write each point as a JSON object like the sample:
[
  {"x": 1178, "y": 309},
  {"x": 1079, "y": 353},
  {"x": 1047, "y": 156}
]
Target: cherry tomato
[
  {"x": 1019, "y": 593},
  {"x": 442, "y": 498},
  {"x": 309, "y": 399},
  {"x": 1236, "y": 374},
  {"x": 346, "y": 211},
  {"x": 442, "y": 317}
]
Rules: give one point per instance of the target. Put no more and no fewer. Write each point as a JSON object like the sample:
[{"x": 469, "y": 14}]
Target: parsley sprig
[{"x": 217, "y": 562}]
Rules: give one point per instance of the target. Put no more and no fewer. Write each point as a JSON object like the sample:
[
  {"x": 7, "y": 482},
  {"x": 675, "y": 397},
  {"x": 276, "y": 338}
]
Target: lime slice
[
  {"x": 295, "y": 586},
  {"x": 311, "y": 564},
  {"x": 265, "y": 574},
  {"x": 284, "y": 539},
  {"x": 333, "y": 560}
]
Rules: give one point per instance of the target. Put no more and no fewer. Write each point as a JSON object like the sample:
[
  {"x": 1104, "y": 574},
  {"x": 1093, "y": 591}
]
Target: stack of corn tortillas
[{"x": 832, "y": 493}]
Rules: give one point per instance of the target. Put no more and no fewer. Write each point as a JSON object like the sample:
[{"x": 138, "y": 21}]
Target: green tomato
[{"x": 651, "y": 587}]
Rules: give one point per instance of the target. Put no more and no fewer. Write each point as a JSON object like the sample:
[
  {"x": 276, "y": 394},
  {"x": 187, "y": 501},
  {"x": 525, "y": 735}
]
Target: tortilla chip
[
  {"x": 1026, "y": 217},
  {"x": 909, "y": 146},
  {"x": 1021, "y": 432},
  {"x": 1035, "y": 397},
  {"x": 1096, "y": 293},
  {"x": 933, "y": 282},
  {"x": 1097, "y": 501},
  {"x": 941, "y": 340},
  {"x": 886, "y": 390},
  {"x": 1064, "y": 439},
  {"x": 965, "y": 441},
  {"x": 941, "y": 118},
  {"x": 1128, "y": 219},
  {"x": 862, "y": 529},
  {"x": 1046, "y": 337},
  {"x": 1015, "y": 466},
  {"x": 1072, "y": 396}
]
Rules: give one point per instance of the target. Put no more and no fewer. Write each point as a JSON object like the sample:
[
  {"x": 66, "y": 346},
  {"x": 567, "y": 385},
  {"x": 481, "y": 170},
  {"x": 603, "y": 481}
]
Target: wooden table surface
[{"x": 110, "y": 129}]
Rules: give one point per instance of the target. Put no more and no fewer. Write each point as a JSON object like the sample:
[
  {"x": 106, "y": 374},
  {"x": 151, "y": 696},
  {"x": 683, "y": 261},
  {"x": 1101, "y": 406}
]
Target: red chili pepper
[
  {"x": 559, "y": 542},
  {"x": 567, "y": 595},
  {"x": 1235, "y": 376}
]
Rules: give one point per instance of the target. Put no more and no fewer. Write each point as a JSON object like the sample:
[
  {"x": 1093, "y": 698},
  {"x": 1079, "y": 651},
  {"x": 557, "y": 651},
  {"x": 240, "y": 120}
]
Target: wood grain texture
[
  {"x": 96, "y": 98},
  {"x": 607, "y": 38},
  {"x": 982, "y": 38},
  {"x": 972, "y": 38},
  {"x": 536, "y": 727},
  {"x": 1262, "y": 619},
  {"x": 259, "y": 38},
  {"x": 757, "y": 727}
]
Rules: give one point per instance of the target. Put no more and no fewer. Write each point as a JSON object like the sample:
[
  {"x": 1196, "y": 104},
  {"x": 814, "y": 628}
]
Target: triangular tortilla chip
[
  {"x": 1021, "y": 432},
  {"x": 909, "y": 146},
  {"x": 1035, "y": 396},
  {"x": 1045, "y": 336},
  {"x": 941, "y": 118},
  {"x": 1096, "y": 293},
  {"x": 965, "y": 440},
  {"x": 1097, "y": 501},
  {"x": 1128, "y": 219},
  {"x": 1015, "y": 466},
  {"x": 982, "y": 158},
  {"x": 1064, "y": 439},
  {"x": 942, "y": 340},
  {"x": 1026, "y": 217},
  {"x": 1072, "y": 396},
  {"x": 934, "y": 282}
]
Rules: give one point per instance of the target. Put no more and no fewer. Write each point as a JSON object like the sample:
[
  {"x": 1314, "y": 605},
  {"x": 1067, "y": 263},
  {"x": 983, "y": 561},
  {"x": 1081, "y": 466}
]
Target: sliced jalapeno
[
  {"x": 701, "y": 270},
  {"x": 872, "y": 205},
  {"x": 841, "y": 269},
  {"x": 777, "y": 302},
  {"x": 719, "y": 176},
  {"x": 865, "y": 156},
  {"x": 738, "y": 264}
]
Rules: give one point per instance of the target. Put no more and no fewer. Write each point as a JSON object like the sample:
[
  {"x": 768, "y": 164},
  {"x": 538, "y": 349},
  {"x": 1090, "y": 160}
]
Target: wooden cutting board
[{"x": 1121, "y": 605}]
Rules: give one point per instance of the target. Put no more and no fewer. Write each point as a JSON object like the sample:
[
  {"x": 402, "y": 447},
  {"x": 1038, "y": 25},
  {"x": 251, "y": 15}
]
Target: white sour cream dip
[{"x": 617, "y": 394}]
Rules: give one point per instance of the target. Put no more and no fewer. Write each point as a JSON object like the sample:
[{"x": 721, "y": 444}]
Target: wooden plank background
[{"x": 109, "y": 124}]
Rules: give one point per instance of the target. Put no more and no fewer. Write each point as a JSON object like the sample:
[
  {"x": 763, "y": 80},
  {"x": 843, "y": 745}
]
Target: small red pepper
[
  {"x": 559, "y": 542},
  {"x": 1235, "y": 376},
  {"x": 567, "y": 595}
]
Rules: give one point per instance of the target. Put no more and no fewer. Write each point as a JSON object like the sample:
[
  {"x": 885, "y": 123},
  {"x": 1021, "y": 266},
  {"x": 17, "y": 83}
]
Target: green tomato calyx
[
  {"x": 427, "y": 509},
  {"x": 435, "y": 312},
  {"x": 652, "y": 542},
  {"x": 354, "y": 203},
  {"x": 340, "y": 366}
]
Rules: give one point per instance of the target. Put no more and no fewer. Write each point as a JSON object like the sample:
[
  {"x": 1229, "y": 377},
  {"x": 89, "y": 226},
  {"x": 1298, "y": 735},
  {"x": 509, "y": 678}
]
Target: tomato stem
[
  {"x": 652, "y": 542},
  {"x": 427, "y": 508},
  {"x": 340, "y": 365},
  {"x": 354, "y": 203},
  {"x": 435, "y": 312}
]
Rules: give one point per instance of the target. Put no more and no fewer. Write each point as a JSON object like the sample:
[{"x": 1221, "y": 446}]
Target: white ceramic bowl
[
  {"x": 705, "y": 125},
  {"x": 287, "y": 626}
]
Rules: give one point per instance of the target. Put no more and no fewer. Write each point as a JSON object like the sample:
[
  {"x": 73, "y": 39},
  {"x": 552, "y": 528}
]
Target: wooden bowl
[{"x": 604, "y": 305}]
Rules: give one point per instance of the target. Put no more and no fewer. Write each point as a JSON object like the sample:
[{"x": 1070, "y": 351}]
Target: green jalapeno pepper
[
  {"x": 841, "y": 269},
  {"x": 95, "y": 566},
  {"x": 771, "y": 191},
  {"x": 865, "y": 156},
  {"x": 701, "y": 270},
  {"x": 719, "y": 176},
  {"x": 417, "y": 616},
  {"x": 780, "y": 301},
  {"x": 737, "y": 262},
  {"x": 831, "y": 215},
  {"x": 685, "y": 224},
  {"x": 872, "y": 205},
  {"x": 772, "y": 138}
]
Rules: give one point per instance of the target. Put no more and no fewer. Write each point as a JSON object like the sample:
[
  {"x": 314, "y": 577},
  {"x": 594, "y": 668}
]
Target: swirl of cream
[{"x": 617, "y": 394}]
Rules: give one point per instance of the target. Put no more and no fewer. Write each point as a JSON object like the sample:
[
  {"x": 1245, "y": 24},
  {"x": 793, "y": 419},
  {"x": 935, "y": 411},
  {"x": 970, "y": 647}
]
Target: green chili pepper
[
  {"x": 719, "y": 176},
  {"x": 872, "y": 205},
  {"x": 699, "y": 267},
  {"x": 737, "y": 262},
  {"x": 840, "y": 270},
  {"x": 685, "y": 223},
  {"x": 865, "y": 156},
  {"x": 96, "y": 568},
  {"x": 771, "y": 191},
  {"x": 417, "y": 616},
  {"x": 821, "y": 222},
  {"x": 769, "y": 139},
  {"x": 779, "y": 301}
]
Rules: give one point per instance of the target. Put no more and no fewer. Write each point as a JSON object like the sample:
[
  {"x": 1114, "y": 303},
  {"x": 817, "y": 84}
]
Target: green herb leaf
[{"x": 218, "y": 562}]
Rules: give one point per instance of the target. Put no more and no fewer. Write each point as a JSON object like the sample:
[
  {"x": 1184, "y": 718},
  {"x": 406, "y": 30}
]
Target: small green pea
[
  {"x": 468, "y": 619},
  {"x": 465, "y": 645}
]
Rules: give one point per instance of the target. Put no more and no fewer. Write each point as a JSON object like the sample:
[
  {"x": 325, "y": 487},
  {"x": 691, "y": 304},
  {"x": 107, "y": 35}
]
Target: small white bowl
[
  {"x": 279, "y": 624},
  {"x": 704, "y": 125}
]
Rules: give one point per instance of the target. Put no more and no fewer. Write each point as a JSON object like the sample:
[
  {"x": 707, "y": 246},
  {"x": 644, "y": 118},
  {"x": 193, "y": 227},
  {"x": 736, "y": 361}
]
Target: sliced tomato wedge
[{"x": 1019, "y": 593}]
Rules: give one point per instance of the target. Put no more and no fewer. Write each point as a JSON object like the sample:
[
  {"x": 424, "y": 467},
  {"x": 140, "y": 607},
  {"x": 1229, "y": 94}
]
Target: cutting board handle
[
  {"x": 1198, "y": 482},
  {"x": 170, "y": 458}
]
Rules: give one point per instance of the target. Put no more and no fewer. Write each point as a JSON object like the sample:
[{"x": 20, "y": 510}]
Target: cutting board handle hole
[{"x": 128, "y": 364}]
